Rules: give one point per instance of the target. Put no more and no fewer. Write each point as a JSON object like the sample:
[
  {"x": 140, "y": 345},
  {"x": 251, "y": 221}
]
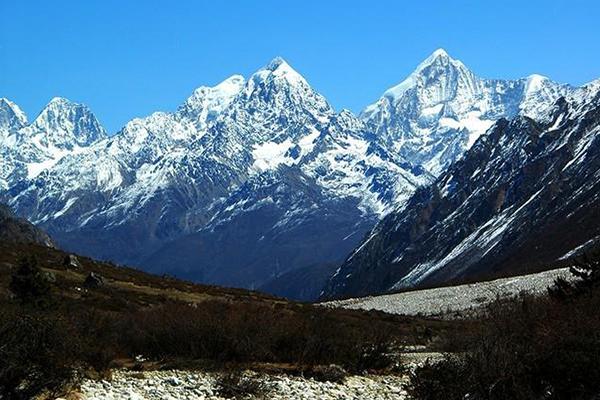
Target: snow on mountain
[
  {"x": 441, "y": 109},
  {"x": 62, "y": 128},
  {"x": 525, "y": 184},
  {"x": 206, "y": 103},
  {"x": 251, "y": 166},
  {"x": 267, "y": 148},
  {"x": 11, "y": 118}
]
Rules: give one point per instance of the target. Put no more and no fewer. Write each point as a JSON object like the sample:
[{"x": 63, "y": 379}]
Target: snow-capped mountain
[
  {"x": 11, "y": 118},
  {"x": 441, "y": 109},
  {"x": 524, "y": 196},
  {"x": 248, "y": 165},
  {"x": 62, "y": 128},
  {"x": 252, "y": 178}
]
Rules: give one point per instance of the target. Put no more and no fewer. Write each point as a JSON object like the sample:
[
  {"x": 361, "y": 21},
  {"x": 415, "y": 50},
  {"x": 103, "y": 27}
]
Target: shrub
[
  {"x": 240, "y": 385},
  {"x": 523, "y": 348},
  {"x": 328, "y": 373},
  {"x": 37, "y": 354},
  {"x": 247, "y": 332},
  {"x": 29, "y": 283}
]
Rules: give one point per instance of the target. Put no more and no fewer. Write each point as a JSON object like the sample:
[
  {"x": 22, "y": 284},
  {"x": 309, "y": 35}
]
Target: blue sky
[{"x": 130, "y": 58}]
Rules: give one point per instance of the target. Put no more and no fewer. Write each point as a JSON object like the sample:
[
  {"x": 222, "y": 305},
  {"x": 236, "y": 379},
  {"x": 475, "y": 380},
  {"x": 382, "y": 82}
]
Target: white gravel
[
  {"x": 191, "y": 385},
  {"x": 453, "y": 300}
]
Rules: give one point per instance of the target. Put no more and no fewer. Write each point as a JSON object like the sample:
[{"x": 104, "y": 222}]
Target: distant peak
[
  {"x": 439, "y": 56},
  {"x": 59, "y": 100},
  {"x": 276, "y": 63},
  {"x": 7, "y": 103},
  {"x": 58, "y": 103},
  {"x": 11, "y": 115},
  {"x": 534, "y": 83},
  {"x": 64, "y": 115},
  {"x": 439, "y": 53},
  {"x": 233, "y": 83},
  {"x": 535, "y": 78},
  {"x": 280, "y": 69},
  {"x": 212, "y": 99}
]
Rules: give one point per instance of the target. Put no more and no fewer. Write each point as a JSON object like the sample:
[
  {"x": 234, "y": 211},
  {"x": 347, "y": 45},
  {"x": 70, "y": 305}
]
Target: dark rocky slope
[{"x": 526, "y": 195}]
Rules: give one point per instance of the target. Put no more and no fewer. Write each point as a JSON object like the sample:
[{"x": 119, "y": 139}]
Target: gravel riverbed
[
  {"x": 192, "y": 385},
  {"x": 455, "y": 299}
]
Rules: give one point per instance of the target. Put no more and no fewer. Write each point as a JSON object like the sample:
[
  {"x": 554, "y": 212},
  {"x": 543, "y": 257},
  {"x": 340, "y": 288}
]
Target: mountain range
[
  {"x": 258, "y": 179},
  {"x": 525, "y": 196}
]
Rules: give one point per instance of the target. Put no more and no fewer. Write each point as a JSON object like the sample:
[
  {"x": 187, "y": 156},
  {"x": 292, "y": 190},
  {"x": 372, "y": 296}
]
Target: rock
[
  {"x": 49, "y": 277},
  {"x": 71, "y": 261},
  {"x": 163, "y": 385},
  {"x": 174, "y": 381},
  {"x": 93, "y": 281}
]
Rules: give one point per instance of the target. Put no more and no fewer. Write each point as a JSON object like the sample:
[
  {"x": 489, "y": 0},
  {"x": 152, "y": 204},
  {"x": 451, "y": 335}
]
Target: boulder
[
  {"x": 93, "y": 281},
  {"x": 71, "y": 261}
]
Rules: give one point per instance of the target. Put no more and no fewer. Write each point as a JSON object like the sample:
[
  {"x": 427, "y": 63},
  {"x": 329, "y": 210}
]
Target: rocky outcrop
[{"x": 19, "y": 230}]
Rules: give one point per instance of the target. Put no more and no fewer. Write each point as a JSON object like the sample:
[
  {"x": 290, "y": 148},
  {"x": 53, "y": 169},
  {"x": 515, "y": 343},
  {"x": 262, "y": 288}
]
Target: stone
[
  {"x": 93, "y": 281},
  {"x": 71, "y": 261}
]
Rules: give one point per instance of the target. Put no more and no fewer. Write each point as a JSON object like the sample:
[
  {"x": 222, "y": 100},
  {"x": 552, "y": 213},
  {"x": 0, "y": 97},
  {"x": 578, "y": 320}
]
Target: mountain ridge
[
  {"x": 524, "y": 185},
  {"x": 166, "y": 181}
]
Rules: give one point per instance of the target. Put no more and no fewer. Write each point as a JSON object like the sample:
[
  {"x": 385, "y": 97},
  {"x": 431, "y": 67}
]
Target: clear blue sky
[{"x": 129, "y": 58}]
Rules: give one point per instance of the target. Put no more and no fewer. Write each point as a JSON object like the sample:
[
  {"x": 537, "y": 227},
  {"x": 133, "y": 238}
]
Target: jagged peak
[
  {"x": 232, "y": 84},
  {"x": 438, "y": 56},
  {"x": 58, "y": 104},
  {"x": 65, "y": 116},
  {"x": 14, "y": 111},
  {"x": 278, "y": 68},
  {"x": 535, "y": 83},
  {"x": 277, "y": 62},
  {"x": 60, "y": 100},
  {"x": 211, "y": 100}
]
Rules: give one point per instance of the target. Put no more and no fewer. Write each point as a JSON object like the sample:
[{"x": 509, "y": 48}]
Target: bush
[
  {"x": 37, "y": 354},
  {"x": 247, "y": 332},
  {"x": 29, "y": 283},
  {"x": 328, "y": 373},
  {"x": 523, "y": 348},
  {"x": 239, "y": 385}
]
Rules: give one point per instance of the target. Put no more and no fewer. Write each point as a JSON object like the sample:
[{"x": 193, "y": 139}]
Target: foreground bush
[
  {"x": 37, "y": 354},
  {"x": 46, "y": 349},
  {"x": 523, "y": 349},
  {"x": 240, "y": 385},
  {"x": 255, "y": 333}
]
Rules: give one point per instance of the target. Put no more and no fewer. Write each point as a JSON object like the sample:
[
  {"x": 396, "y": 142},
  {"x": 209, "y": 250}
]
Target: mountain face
[
  {"x": 245, "y": 181},
  {"x": 251, "y": 180},
  {"x": 526, "y": 194},
  {"x": 26, "y": 150},
  {"x": 440, "y": 110}
]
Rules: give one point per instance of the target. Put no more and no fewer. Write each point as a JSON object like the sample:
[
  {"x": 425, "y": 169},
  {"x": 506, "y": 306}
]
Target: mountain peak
[
  {"x": 279, "y": 69},
  {"x": 276, "y": 63},
  {"x": 439, "y": 53},
  {"x": 68, "y": 123},
  {"x": 207, "y": 102},
  {"x": 11, "y": 116},
  {"x": 59, "y": 100},
  {"x": 438, "y": 56}
]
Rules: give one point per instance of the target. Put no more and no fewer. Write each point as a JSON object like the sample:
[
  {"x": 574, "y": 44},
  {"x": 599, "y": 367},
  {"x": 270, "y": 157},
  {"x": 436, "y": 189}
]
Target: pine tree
[
  {"x": 586, "y": 270},
  {"x": 29, "y": 283}
]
